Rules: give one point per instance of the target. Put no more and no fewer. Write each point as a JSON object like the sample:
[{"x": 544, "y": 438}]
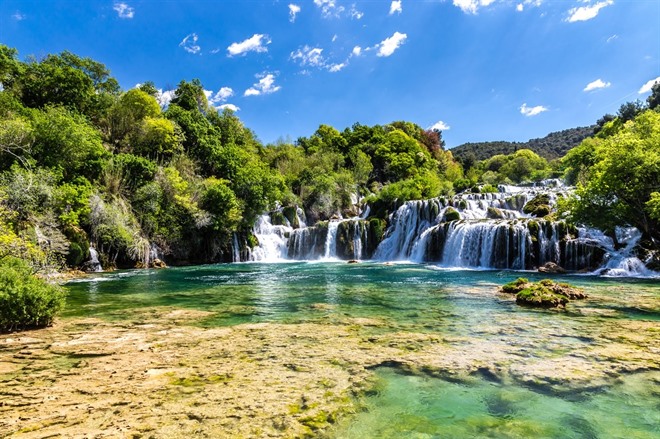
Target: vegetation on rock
[{"x": 542, "y": 294}]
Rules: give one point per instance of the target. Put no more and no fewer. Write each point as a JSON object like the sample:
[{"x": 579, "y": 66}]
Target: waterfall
[
  {"x": 486, "y": 230},
  {"x": 93, "y": 262},
  {"x": 330, "y": 249},
  {"x": 272, "y": 240}
]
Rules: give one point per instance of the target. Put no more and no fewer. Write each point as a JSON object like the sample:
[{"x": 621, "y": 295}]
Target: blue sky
[{"x": 478, "y": 69}]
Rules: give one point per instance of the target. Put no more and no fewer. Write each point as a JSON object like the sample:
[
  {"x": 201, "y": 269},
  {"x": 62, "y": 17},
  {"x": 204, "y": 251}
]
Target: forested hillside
[{"x": 550, "y": 147}]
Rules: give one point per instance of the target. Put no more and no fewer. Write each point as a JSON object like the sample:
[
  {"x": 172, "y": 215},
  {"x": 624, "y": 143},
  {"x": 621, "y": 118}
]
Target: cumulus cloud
[
  {"x": 357, "y": 51},
  {"x": 389, "y": 45},
  {"x": 329, "y": 8},
  {"x": 471, "y": 6},
  {"x": 646, "y": 88},
  {"x": 123, "y": 10},
  {"x": 189, "y": 43},
  {"x": 293, "y": 11},
  {"x": 532, "y": 111},
  {"x": 220, "y": 96},
  {"x": 440, "y": 126},
  {"x": 395, "y": 7},
  {"x": 266, "y": 85},
  {"x": 313, "y": 57},
  {"x": 584, "y": 13},
  {"x": 309, "y": 56},
  {"x": 231, "y": 107},
  {"x": 164, "y": 97},
  {"x": 597, "y": 84},
  {"x": 256, "y": 43},
  {"x": 334, "y": 68}
]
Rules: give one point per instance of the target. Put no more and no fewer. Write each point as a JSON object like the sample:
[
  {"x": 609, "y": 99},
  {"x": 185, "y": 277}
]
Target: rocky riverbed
[{"x": 157, "y": 373}]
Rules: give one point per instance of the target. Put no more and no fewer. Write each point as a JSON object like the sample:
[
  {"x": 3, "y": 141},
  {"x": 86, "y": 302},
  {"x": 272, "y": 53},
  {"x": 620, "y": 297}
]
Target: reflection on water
[{"x": 456, "y": 305}]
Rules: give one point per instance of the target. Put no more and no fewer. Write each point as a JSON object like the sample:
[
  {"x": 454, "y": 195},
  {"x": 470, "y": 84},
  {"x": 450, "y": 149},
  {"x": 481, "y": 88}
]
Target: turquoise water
[{"x": 407, "y": 297}]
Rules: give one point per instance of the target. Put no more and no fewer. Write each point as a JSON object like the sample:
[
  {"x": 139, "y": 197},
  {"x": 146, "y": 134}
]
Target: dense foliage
[
  {"x": 25, "y": 300},
  {"x": 617, "y": 174}
]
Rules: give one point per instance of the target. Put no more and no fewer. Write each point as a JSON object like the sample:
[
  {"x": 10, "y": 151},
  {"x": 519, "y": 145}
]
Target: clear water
[{"x": 420, "y": 298}]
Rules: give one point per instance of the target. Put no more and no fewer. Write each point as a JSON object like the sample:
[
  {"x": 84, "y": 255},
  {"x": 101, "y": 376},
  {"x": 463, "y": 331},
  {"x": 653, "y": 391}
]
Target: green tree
[{"x": 619, "y": 175}]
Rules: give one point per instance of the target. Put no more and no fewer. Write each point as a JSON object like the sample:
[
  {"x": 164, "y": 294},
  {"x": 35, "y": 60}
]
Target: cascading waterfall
[
  {"x": 272, "y": 241},
  {"x": 472, "y": 230},
  {"x": 93, "y": 262}
]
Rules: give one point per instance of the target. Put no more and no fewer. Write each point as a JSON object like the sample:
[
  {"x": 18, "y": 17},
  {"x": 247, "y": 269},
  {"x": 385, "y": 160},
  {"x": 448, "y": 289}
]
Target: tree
[
  {"x": 654, "y": 99},
  {"x": 619, "y": 175}
]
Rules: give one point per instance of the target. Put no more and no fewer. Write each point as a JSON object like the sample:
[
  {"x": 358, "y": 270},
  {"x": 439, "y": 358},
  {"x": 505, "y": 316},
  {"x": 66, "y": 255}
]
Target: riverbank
[{"x": 155, "y": 373}]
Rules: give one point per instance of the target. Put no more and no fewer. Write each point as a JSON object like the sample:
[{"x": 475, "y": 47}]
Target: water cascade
[
  {"x": 491, "y": 230},
  {"x": 93, "y": 263},
  {"x": 509, "y": 229}
]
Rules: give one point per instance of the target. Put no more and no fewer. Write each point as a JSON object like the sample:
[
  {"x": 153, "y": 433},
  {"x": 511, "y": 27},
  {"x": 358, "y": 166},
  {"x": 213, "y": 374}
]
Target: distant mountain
[{"x": 552, "y": 146}]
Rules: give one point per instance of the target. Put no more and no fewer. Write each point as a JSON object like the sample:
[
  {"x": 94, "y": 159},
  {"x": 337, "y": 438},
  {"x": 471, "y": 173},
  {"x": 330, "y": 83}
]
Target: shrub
[{"x": 25, "y": 300}]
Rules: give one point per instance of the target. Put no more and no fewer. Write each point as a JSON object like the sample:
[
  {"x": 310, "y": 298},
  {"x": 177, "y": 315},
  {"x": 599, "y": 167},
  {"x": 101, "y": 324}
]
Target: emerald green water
[{"x": 455, "y": 305}]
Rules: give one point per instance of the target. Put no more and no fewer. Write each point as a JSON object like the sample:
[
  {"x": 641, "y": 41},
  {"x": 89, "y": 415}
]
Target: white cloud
[
  {"x": 293, "y": 11},
  {"x": 389, "y": 45},
  {"x": 123, "y": 10},
  {"x": 334, "y": 68},
  {"x": 612, "y": 38},
  {"x": 231, "y": 107},
  {"x": 329, "y": 8},
  {"x": 646, "y": 88},
  {"x": 189, "y": 43},
  {"x": 584, "y": 13},
  {"x": 309, "y": 56},
  {"x": 597, "y": 84},
  {"x": 334, "y": 38},
  {"x": 471, "y": 6},
  {"x": 355, "y": 13},
  {"x": 220, "y": 96},
  {"x": 440, "y": 126},
  {"x": 18, "y": 16},
  {"x": 164, "y": 97},
  {"x": 532, "y": 111},
  {"x": 395, "y": 7},
  {"x": 256, "y": 43},
  {"x": 520, "y": 7},
  {"x": 266, "y": 85},
  {"x": 357, "y": 51}
]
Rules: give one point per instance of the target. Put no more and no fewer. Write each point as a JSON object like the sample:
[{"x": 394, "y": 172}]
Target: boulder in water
[
  {"x": 542, "y": 294},
  {"x": 539, "y": 206},
  {"x": 495, "y": 213},
  {"x": 551, "y": 267},
  {"x": 451, "y": 214},
  {"x": 158, "y": 263}
]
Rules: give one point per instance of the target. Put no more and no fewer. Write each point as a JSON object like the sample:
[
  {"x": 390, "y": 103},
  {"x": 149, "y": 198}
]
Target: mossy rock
[
  {"x": 540, "y": 296},
  {"x": 291, "y": 214},
  {"x": 539, "y": 206},
  {"x": 543, "y": 294},
  {"x": 495, "y": 213},
  {"x": 451, "y": 214},
  {"x": 277, "y": 219}
]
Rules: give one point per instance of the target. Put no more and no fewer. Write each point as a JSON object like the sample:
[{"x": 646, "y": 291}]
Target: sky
[{"x": 478, "y": 70}]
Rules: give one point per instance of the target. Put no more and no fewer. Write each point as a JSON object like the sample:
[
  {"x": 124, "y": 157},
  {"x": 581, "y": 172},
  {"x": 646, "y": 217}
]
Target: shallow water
[{"x": 460, "y": 306}]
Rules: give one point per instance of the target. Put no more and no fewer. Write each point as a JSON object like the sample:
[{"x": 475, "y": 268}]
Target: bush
[{"x": 25, "y": 300}]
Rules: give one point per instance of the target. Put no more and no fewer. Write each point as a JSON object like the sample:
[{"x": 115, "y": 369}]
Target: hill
[{"x": 552, "y": 146}]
